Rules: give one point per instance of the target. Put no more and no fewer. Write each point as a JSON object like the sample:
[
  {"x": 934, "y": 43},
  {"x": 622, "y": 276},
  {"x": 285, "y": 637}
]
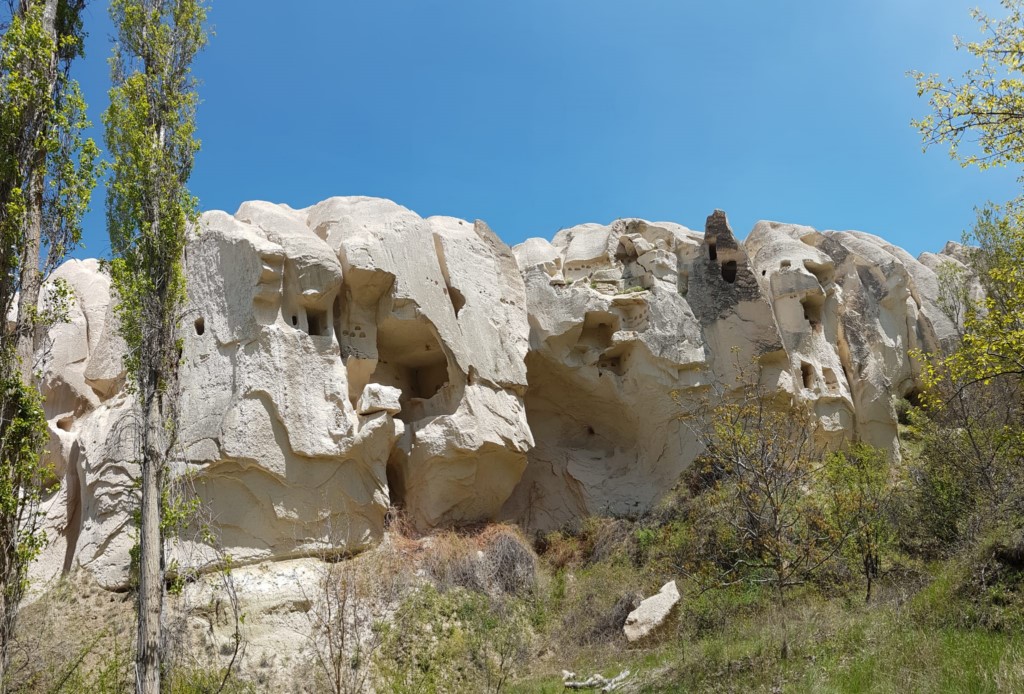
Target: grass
[
  {"x": 833, "y": 649},
  {"x": 487, "y": 614}
]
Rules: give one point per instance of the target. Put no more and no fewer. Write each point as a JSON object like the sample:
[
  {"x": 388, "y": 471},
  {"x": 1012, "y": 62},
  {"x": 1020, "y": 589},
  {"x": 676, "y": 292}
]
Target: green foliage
[
  {"x": 986, "y": 104},
  {"x": 858, "y": 484},
  {"x": 47, "y": 172},
  {"x": 22, "y": 477},
  {"x": 112, "y": 673},
  {"x": 971, "y": 434},
  {"x": 453, "y": 641},
  {"x": 992, "y": 344},
  {"x": 150, "y": 133},
  {"x": 206, "y": 681},
  {"x": 42, "y": 121}
]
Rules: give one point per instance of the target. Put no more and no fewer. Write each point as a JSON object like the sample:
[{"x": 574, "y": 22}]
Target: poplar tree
[
  {"x": 47, "y": 173},
  {"x": 150, "y": 134}
]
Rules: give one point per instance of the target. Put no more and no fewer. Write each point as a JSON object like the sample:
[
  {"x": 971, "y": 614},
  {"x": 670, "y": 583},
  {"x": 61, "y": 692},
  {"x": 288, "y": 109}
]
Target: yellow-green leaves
[
  {"x": 150, "y": 133},
  {"x": 985, "y": 105}
]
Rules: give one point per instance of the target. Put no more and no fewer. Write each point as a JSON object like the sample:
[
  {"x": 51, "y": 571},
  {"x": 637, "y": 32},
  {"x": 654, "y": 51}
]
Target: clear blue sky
[{"x": 539, "y": 114}]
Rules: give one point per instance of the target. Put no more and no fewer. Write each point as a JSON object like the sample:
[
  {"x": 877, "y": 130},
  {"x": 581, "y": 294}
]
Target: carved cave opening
[
  {"x": 316, "y": 322},
  {"x": 807, "y": 374},
  {"x": 814, "y": 307},
  {"x": 411, "y": 358},
  {"x": 729, "y": 271},
  {"x": 597, "y": 331}
]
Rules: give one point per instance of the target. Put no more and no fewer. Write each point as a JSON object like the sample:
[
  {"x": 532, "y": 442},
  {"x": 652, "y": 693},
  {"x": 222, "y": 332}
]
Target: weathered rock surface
[
  {"x": 651, "y": 613},
  {"x": 628, "y": 323},
  {"x": 336, "y": 360},
  {"x": 351, "y": 356}
]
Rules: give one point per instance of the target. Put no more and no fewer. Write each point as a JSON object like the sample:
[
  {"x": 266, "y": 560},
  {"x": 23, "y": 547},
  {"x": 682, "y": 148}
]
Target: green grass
[{"x": 833, "y": 648}]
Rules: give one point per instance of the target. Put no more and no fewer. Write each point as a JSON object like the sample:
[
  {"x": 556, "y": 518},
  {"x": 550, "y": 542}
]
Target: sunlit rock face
[
  {"x": 335, "y": 360},
  {"x": 852, "y": 310},
  {"x": 352, "y": 356},
  {"x": 630, "y": 323}
]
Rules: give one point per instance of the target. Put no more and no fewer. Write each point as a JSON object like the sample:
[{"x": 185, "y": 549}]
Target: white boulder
[{"x": 651, "y": 613}]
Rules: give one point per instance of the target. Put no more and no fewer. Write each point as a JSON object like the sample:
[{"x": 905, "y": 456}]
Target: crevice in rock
[
  {"x": 200, "y": 326},
  {"x": 454, "y": 294},
  {"x": 73, "y": 529},
  {"x": 830, "y": 379},
  {"x": 396, "y": 477},
  {"x": 457, "y": 299}
]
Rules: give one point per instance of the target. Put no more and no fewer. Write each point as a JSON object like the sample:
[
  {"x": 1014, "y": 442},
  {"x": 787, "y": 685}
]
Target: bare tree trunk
[{"x": 151, "y": 584}]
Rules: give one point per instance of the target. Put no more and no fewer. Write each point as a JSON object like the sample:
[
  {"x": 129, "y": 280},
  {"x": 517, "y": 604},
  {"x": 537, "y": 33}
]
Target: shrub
[
  {"x": 511, "y": 565},
  {"x": 452, "y": 641},
  {"x": 452, "y": 562}
]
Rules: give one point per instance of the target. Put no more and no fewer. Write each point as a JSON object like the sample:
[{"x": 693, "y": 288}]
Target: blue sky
[{"x": 539, "y": 114}]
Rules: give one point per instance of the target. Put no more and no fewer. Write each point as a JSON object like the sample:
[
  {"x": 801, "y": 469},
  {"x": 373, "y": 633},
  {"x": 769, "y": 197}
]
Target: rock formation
[{"x": 351, "y": 356}]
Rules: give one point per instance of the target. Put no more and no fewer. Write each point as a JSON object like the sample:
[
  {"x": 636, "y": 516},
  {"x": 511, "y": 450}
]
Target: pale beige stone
[{"x": 651, "y": 613}]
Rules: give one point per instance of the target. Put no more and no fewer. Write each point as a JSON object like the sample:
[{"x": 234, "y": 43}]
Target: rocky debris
[
  {"x": 652, "y": 613},
  {"x": 596, "y": 681},
  {"x": 351, "y": 356}
]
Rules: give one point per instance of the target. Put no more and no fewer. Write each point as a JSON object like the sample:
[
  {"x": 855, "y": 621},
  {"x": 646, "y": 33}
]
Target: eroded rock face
[
  {"x": 631, "y": 322},
  {"x": 335, "y": 360},
  {"x": 351, "y": 356},
  {"x": 629, "y": 325}
]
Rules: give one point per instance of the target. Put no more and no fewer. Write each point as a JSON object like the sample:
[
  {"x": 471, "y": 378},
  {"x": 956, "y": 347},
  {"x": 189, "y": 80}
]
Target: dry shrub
[
  {"x": 592, "y": 540},
  {"x": 451, "y": 560},
  {"x": 595, "y": 605},
  {"x": 496, "y": 560},
  {"x": 510, "y": 562}
]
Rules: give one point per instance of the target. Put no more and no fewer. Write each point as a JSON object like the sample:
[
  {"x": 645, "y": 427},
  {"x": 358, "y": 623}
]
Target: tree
[
  {"x": 972, "y": 438},
  {"x": 47, "y": 172},
  {"x": 985, "y": 107},
  {"x": 150, "y": 132},
  {"x": 761, "y": 463},
  {"x": 858, "y": 490}
]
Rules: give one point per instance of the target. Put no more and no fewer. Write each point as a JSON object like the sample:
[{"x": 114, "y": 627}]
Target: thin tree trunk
[
  {"x": 31, "y": 279},
  {"x": 151, "y": 582}
]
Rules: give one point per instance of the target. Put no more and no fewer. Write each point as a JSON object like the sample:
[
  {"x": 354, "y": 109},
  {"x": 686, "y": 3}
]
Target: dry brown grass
[
  {"x": 71, "y": 629},
  {"x": 495, "y": 559}
]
